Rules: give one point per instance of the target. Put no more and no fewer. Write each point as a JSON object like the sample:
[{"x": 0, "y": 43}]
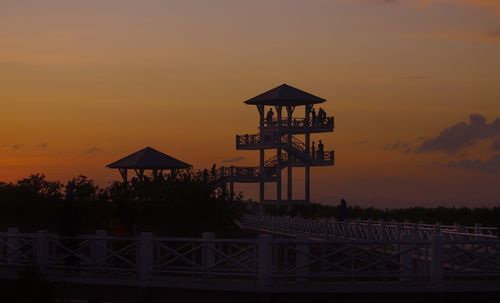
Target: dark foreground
[{"x": 39, "y": 291}]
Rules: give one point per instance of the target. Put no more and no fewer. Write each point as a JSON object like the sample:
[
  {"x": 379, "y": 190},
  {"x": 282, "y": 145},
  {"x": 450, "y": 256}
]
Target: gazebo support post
[
  {"x": 123, "y": 173},
  {"x": 140, "y": 174}
]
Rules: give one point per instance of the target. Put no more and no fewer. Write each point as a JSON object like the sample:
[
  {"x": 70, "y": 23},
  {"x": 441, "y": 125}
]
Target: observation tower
[{"x": 288, "y": 138}]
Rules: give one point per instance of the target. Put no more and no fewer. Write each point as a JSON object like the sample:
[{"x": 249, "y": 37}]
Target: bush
[{"x": 181, "y": 205}]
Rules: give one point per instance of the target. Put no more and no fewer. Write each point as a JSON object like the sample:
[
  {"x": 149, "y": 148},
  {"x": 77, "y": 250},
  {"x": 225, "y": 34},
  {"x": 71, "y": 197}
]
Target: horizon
[{"x": 413, "y": 86}]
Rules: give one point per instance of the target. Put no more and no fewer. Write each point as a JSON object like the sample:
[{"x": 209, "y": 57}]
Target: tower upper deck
[{"x": 285, "y": 95}]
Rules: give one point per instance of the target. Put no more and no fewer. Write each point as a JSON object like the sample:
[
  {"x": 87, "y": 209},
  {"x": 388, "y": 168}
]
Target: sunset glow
[{"x": 84, "y": 83}]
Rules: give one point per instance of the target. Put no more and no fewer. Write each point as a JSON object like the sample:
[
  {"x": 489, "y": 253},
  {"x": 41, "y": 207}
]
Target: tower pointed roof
[
  {"x": 149, "y": 158},
  {"x": 285, "y": 95}
]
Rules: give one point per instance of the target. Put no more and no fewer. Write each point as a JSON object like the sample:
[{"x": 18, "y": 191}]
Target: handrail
[{"x": 305, "y": 260}]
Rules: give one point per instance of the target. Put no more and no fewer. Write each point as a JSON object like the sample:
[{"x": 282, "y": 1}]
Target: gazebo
[{"x": 147, "y": 159}]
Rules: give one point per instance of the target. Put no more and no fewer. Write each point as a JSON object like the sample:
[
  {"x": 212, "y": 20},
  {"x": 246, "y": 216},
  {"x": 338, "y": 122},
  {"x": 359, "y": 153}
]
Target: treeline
[
  {"x": 181, "y": 205},
  {"x": 184, "y": 204}
]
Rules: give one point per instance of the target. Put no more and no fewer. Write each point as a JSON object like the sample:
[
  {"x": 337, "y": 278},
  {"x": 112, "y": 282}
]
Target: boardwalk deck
[{"x": 290, "y": 262}]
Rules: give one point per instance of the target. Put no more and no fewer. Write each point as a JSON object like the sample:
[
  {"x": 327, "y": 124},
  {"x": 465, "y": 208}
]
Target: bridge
[{"x": 288, "y": 256}]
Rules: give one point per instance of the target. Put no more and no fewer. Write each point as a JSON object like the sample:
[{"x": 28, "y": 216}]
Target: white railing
[
  {"x": 362, "y": 229},
  {"x": 261, "y": 264}
]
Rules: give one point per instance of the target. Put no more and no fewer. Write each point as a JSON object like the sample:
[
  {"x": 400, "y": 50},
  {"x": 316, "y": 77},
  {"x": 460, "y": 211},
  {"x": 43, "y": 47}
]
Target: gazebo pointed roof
[
  {"x": 285, "y": 95},
  {"x": 148, "y": 158}
]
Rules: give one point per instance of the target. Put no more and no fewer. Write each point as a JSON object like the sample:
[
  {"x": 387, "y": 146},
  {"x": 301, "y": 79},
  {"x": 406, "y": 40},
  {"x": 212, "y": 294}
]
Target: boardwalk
[
  {"x": 305, "y": 263},
  {"x": 362, "y": 229}
]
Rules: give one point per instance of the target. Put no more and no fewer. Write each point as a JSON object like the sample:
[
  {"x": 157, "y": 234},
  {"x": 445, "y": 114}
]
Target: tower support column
[
  {"x": 262, "y": 187},
  {"x": 289, "y": 109},
  {"x": 307, "y": 190},
  {"x": 262, "y": 172},
  {"x": 279, "y": 110}
]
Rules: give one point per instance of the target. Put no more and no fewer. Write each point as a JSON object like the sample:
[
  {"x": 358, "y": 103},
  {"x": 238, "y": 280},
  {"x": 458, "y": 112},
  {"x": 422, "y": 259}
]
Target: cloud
[
  {"x": 398, "y": 146},
  {"x": 232, "y": 160},
  {"x": 92, "y": 150},
  {"x": 375, "y": 1},
  {"x": 416, "y": 77},
  {"x": 461, "y": 135},
  {"x": 491, "y": 166},
  {"x": 492, "y": 6},
  {"x": 495, "y": 33},
  {"x": 19, "y": 146},
  {"x": 16, "y": 146},
  {"x": 465, "y": 36},
  {"x": 495, "y": 146}
]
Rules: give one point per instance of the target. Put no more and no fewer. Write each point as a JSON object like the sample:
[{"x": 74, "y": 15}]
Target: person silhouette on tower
[
  {"x": 269, "y": 117},
  {"x": 313, "y": 150},
  {"x": 313, "y": 114},
  {"x": 320, "y": 150}
]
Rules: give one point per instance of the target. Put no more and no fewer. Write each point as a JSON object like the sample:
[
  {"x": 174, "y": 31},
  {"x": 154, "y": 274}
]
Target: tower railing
[
  {"x": 244, "y": 174},
  {"x": 254, "y": 141},
  {"x": 238, "y": 171},
  {"x": 328, "y": 123}
]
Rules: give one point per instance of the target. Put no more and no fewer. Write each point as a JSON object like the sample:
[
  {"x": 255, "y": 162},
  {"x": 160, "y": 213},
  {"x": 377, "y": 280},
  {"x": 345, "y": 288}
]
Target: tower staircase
[{"x": 295, "y": 155}]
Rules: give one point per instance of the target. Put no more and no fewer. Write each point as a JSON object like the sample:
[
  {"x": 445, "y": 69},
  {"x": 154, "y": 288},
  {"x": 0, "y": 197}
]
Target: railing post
[
  {"x": 13, "y": 244},
  {"x": 456, "y": 229},
  {"x": 416, "y": 228},
  {"x": 264, "y": 261},
  {"x": 437, "y": 228},
  {"x": 145, "y": 256},
  {"x": 325, "y": 228},
  {"x": 399, "y": 229},
  {"x": 302, "y": 258},
  {"x": 382, "y": 231},
  {"x": 99, "y": 248},
  {"x": 477, "y": 228},
  {"x": 357, "y": 231},
  {"x": 208, "y": 255},
  {"x": 42, "y": 251},
  {"x": 335, "y": 229},
  {"x": 370, "y": 234},
  {"x": 437, "y": 262},
  {"x": 405, "y": 255}
]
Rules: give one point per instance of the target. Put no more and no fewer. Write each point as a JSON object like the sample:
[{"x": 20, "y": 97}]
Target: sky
[{"x": 414, "y": 86}]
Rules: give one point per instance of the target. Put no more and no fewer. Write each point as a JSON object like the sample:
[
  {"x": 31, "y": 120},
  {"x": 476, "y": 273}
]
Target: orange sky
[{"x": 83, "y": 83}]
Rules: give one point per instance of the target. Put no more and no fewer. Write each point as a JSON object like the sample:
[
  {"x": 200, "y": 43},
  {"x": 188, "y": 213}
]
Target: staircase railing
[
  {"x": 272, "y": 163},
  {"x": 297, "y": 147}
]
